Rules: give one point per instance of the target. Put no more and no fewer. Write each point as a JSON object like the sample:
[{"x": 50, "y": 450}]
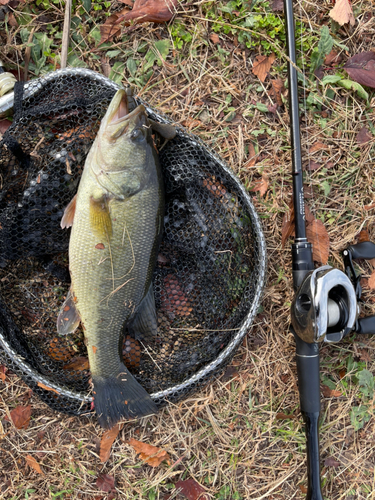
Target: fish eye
[{"x": 137, "y": 134}]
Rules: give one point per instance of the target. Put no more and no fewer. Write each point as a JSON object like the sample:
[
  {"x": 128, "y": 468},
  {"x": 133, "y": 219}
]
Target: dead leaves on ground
[
  {"x": 144, "y": 11},
  {"x": 361, "y": 68},
  {"x": 262, "y": 65},
  {"x": 364, "y": 136},
  {"x": 261, "y": 185},
  {"x": 192, "y": 490},
  {"x": 107, "y": 441},
  {"x": 31, "y": 462},
  {"x": 315, "y": 231},
  {"x": 106, "y": 483},
  {"x": 20, "y": 416},
  {"x": 152, "y": 455},
  {"x": 342, "y": 12}
]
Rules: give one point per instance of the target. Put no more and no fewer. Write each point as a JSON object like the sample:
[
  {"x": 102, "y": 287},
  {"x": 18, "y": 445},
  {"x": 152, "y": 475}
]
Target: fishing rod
[{"x": 325, "y": 306}]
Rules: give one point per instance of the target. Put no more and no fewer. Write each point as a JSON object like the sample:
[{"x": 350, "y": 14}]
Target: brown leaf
[
  {"x": 252, "y": 156},
  {"x": 4, "y": 125},
  {"x": 47, "y": 388},
  {"x": 363, "y": 136},
  {"x": 284, "y": 416},
  {"x": 31, "y": 462},
  {"x": 313, "y": 165},
  {"x": 331, "y": 462},
  {"x": 261, "y": 185},
  {"x": 12, "y": 20},
  {"x": 317, "y": 234},
  {"x": 371, "y": 281},
  {"x": 277, "y": 5},
  {"x": 105, "y": 482},
  {"x": 191, "y": 123},
  {"x": 332, "y": 58},
  {"x": 328, "y": 393},
  {"x": 262, "y": 65},
  {"x": 363, "y": 236},
  {"x": 230, "y": 373},
  {"x": 361, "y": 68},
  {"x": 370, "y": 206},
  {"x": 288, "y": 226},
  {"x": 342, "y": 12},
  {"x": 277, "y": 87},
  {"x": 107, "y": 441},
  {"x": 3, "y": 370},
  {"x": 21, "y": 416},
  {"x": 59, "y": 351},
  {"x": 144, "y": 11},
  {"x": 303, "y": 488},
  {"x": 192, "y": 490},
  {"x": 214, "y": 37},
  {"x": 78, "y": 364},
  {"x": 317, "y": 146},
  {"x": 150, "y": 454},
  {"x": 364, "y": 355}
]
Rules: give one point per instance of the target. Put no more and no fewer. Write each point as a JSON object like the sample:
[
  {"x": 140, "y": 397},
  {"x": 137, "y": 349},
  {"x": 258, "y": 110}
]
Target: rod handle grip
[
  {"x": 364, "y": 250},
  {"x": 366, "y": 325}
]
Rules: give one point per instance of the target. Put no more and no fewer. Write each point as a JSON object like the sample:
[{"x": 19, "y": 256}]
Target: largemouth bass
[{"x": 117, "y": 222}]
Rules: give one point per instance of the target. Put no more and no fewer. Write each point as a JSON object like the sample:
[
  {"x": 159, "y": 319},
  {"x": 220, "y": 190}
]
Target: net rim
[{"x": 32, "y": 88}]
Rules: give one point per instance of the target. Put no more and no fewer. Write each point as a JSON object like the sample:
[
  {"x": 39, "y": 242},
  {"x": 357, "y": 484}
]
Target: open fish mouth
[{"x": 120, "y": 113}]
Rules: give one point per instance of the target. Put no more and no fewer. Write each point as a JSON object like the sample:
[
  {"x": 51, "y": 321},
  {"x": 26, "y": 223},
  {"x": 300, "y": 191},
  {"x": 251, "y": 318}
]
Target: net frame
[{"x": 14, "y": 359}]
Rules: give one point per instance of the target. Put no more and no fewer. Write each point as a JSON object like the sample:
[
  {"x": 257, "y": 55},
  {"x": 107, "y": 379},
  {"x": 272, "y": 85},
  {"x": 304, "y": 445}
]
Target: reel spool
[{"x": 211, "y": 264}]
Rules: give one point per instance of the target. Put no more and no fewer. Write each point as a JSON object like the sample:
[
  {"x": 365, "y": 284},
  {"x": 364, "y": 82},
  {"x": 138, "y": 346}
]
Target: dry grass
[{"x": 228, "y": 436}]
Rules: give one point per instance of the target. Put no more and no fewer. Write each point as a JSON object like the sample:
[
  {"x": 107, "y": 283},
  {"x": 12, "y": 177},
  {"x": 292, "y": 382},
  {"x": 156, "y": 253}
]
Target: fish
[{"x": 117, "y": 224}]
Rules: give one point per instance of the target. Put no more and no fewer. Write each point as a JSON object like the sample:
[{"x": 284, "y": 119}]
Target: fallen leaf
[
  {"x": 277, "y": 5},
  {"x": 107, "y": 441},
  {"x": 370, "y": 206},
  {"x": 40, "y": 384},
  {"x": 262, "y": 65},
  {"x": 12, "y": 20},
  {"x": 313, "y": 165},
  {"x": 144, "y": 11},
  {"x": 252, "y": 156},
  {"x": 317, "y": 234},
  {"x": 303, "y": 488},
  {"x": 173, "y": 297},
  {"x": 131, "y": 352},
  {"x": 284, "y": 416},
  {"x": 191, "y": 123},
  {"x": 371, "y": 281},
  {"x": 287, "y": 228},
  {"x": 328, "y": 393},
  {"x": 59, "y": 351},
  {"x": 342, "y": 12},
  {"x": 331, "y": 462},
  {"x": 105, "y": 482},
  {"x": 150, "y": 454},
  {"x": 31, "y": 462},
  {"x": 317, "y": 146},
  {"x": 192, "y": 490},
  {"x": 230, "y": 373},
  {"x": 261, "y": 185},
  {"x": 78, "y": 364},
  {"x": 4, "y": 125},
  {"x": 361, "y": 68},
  {"x": 364, "y": 355},
  {"x": 363, "y": 136},
  {"x": 214, "y": 37},
  {"x": 3, "y": 370},
  {"x": 332, "y": 58},
  {"x": 20, "y": 416},
  {"x": 277, "y": 87},
  {"x": 363, "y": 236}
]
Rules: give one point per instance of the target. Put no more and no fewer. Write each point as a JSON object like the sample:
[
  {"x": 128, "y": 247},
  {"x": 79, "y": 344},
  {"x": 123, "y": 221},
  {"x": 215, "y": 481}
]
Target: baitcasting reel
[{"x": 325, "y": 307}]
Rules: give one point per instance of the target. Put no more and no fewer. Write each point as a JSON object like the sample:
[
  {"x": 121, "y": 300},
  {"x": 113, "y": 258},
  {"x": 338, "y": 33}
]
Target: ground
[{"x": 242, "y": 436}]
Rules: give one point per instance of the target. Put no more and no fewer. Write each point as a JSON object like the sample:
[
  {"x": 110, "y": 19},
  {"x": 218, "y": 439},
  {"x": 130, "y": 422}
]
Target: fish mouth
[{"x": 119, "y": 117}]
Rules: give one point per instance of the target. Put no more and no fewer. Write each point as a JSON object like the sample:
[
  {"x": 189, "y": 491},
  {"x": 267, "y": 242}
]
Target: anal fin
[{"x": 144, "y": 324}]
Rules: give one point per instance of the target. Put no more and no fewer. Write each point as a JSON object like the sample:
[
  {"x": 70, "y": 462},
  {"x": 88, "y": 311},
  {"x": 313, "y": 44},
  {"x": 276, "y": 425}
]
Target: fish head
[{"x": 124, "y": 138}]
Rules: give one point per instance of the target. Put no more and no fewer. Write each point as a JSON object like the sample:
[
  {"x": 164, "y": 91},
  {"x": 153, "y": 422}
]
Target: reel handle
[
  {"x": 365, "y": 250},
  {"x": 366, "y": 326}
]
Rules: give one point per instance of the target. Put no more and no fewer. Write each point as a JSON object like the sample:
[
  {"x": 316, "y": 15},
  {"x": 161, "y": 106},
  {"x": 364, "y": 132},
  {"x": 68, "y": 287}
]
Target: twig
[
  {"x": 65, "y": 37},
  {"x": 27, "y": 55}
]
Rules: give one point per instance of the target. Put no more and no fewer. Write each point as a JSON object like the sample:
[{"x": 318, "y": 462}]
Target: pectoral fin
[
  {"x": 68, "y": 320},
  {"x": 67, "y": 219},
  {"x": 145, "y": 321},
  {"x": 100, "y": 218},
  {"x": 164, "y": 129}
]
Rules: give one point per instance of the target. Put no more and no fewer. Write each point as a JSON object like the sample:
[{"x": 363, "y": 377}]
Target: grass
[{"x": 231, "y": 436}]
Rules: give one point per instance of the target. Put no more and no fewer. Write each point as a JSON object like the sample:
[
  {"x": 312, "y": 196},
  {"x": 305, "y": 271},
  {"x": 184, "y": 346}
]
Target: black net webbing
[{"x": 211, "y": 263}]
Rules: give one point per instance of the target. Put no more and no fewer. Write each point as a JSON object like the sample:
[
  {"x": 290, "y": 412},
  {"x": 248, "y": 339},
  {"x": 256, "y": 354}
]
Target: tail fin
[{"x": 121, "y": 397}]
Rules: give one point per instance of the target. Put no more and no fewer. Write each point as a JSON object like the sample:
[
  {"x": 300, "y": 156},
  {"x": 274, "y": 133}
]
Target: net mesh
[{"x": 210, "y": 266}]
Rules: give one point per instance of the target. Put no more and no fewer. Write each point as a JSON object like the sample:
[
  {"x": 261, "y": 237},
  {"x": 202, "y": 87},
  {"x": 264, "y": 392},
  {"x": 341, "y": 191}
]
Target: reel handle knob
[
  {"x": 365, "y": 250},
  {"x": 366, "y": 325}
]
